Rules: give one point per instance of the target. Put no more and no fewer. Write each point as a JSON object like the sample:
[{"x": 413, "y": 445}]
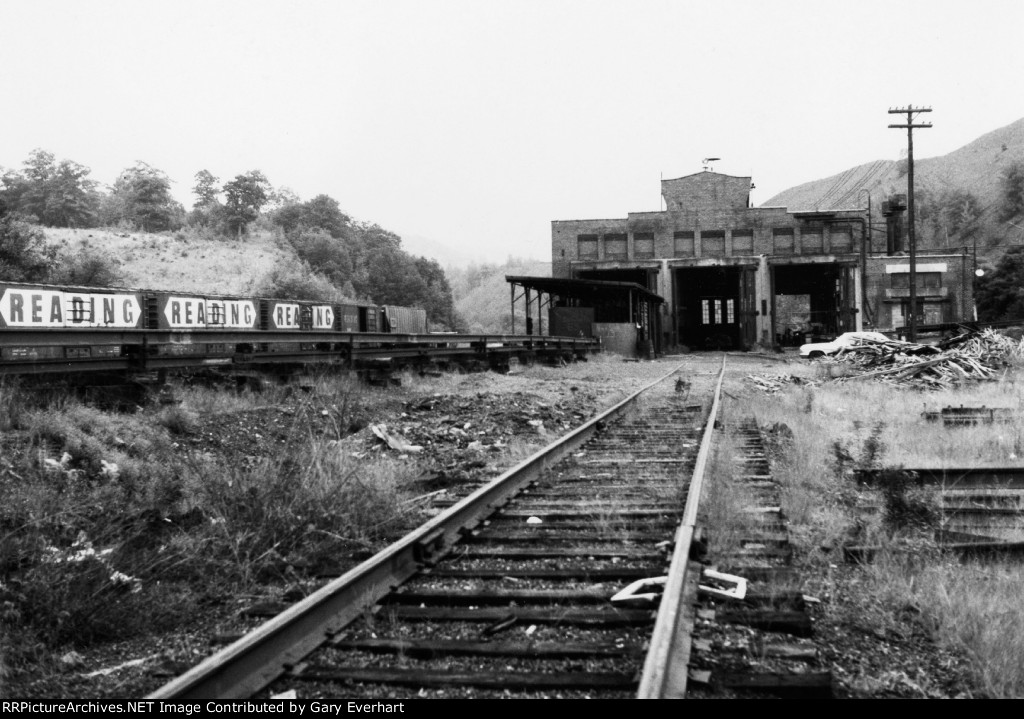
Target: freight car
[
  {"x": 47, "y": 322},
  {"x": 33, "y": 306}
]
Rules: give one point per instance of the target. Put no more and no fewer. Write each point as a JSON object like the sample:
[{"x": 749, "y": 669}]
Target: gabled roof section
[
  {"x": 707, "y": 172},
  {"x": 706, "y": 190}
]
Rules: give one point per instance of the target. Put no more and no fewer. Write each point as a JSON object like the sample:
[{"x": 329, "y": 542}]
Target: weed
[
  {"x": 907, "y": 506},
  {"x": 178, "y": 420},
  {"x": 12, "y": 405},
  {"x": 295, "y": 511},
  {"x": 842, "y": 460},
  {"x": 873, "y": 448}
]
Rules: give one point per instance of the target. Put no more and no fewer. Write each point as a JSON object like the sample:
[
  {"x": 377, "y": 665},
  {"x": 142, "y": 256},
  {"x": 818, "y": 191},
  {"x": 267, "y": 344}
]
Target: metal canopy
[{"x": 580, "y": 289}]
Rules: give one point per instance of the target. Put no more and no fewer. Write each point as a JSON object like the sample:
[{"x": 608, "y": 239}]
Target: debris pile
[
  {"x": 773, "y": 383},
  {"x": 458, "y": 439},
  {"x": 970, "y": 356}
]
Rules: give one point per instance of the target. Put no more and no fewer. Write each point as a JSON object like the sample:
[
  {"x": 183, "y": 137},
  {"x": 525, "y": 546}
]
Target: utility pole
[{"x": 910, "y": 111}]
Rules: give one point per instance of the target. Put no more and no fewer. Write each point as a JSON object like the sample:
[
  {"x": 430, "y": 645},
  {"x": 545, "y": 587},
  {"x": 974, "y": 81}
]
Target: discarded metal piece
[
  {"x": 965, "y": 416},
  {"x": 500, "y": 625},
  {"x": 633, "y": 596},
  {"x": 727, "y": 586},
  {"x": 395, "y": 442},
  {"x": 700, "y": 676}
]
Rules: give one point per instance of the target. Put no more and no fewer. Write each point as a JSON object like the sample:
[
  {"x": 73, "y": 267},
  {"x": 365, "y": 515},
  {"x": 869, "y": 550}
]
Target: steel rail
[
  {"x": 251, "y": 663},
  {"x": 665, "y": 668}
]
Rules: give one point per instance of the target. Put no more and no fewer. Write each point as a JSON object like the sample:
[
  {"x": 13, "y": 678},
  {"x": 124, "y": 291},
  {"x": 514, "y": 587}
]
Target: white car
[{"x": 847, "y": 339}]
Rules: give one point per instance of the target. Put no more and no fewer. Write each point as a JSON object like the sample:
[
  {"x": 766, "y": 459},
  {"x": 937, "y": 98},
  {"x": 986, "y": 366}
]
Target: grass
[
  {"x": 168, "y": 261},
  {"x": 112, "y": 528},
  {"x": 972, "y": 607},
  {"x": 108, "y": 530}
]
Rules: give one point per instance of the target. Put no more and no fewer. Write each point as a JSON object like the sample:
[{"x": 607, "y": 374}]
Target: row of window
[
  {"x": 711, "y": 311},
  {"x": 924, "y": 280},
  {"x": 712, "y": 243}
]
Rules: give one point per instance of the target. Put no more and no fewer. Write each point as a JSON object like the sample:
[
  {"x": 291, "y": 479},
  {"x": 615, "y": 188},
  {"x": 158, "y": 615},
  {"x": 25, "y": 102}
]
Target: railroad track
[
  {"x": 509, "y": 592},
  {"x": 761, "y": 641},
  {"x": 981, "y": 507}
]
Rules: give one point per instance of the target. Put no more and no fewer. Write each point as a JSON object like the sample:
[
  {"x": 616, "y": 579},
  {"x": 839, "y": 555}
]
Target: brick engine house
[{"x": 732, "y": 276}]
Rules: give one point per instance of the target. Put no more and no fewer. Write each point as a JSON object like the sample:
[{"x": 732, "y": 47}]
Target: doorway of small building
[
  {"x": 812, "y": 302},
  {"x": 627, "y": 305},
  {"x": 708, "y": 310}
]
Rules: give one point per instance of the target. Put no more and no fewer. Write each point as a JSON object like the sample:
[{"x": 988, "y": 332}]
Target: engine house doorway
[
  {"x": 812, "y": 302},
  {"x": 715, "y": 307}
]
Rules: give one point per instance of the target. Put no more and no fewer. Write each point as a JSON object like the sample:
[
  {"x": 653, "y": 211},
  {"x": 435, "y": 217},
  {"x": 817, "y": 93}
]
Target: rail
[
  {"x": 665, "y": 670},
  {"x": 257, "y": 659}
]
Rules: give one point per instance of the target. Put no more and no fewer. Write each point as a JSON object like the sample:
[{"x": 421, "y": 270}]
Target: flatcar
[
  {"x": 43, "y": 323},
  {"x": 35, "y": 306}
]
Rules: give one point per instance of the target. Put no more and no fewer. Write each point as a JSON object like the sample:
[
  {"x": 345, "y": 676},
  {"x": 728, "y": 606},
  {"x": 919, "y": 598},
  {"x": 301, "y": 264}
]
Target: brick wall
[
  {"x": 706, "y": 191},
  {"x": 955, "y": 293}
]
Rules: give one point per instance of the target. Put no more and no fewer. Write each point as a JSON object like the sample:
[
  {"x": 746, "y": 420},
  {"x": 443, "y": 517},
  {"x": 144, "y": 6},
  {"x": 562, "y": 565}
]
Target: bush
[
  {"x": 88, "y": 268},
  {"x": 298, "y": 282},
  {"x": 293, "y": 513},
  {"x": 907, "y": 506},
  {"x": 24, "y": 254}
]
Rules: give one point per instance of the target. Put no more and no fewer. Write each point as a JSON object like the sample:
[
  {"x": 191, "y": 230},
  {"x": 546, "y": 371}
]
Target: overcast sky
[{"x": 476, "y": 123}]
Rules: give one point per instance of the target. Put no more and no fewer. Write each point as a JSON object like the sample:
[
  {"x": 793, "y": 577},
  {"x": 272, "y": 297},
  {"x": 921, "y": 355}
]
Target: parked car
[{"x": 847, "y": 339}]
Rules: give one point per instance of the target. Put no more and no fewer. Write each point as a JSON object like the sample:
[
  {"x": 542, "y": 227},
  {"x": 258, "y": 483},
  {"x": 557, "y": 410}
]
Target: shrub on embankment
[{"x": 110, "y": 526}]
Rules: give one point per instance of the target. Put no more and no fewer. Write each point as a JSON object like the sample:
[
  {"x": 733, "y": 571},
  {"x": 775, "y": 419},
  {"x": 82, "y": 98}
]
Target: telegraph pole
[{"x": 910, "y": 111}]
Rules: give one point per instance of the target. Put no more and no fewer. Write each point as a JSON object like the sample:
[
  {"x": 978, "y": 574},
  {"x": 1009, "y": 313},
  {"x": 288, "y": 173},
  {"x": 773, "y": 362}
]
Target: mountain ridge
[{"x": 975, "y": 169}]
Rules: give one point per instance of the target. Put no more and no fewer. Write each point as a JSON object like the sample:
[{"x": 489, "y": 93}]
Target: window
[
  {"x": 643, "y": 245},
  {"x": 615, "y": 247},
  {"x": 840, "y": 238},
  {"x": 712, "y": 242},
  {"x": 718, "y": 311},
  {"x": 683, "y": 244},
  {"x": 925, "y": 280},
  {"x": 929, "y": 280},
  {"x": 782, "y": 239},
  {"x": 587, "y": 247},
  {"x": 810, "y": 239},
  {"x": 743, "y": 242}
]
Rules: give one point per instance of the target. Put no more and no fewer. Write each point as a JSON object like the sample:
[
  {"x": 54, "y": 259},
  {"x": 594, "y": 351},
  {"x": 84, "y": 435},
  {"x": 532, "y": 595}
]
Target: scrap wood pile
[
  {"x": 970, "y": 356},
  {"x": 773, "y": 383}
]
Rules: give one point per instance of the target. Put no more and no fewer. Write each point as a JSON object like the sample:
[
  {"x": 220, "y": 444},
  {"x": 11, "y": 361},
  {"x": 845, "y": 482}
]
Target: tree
[
  {"x": 324, "y": 254},
  {"x": 205, "y": 189},
  {"x": 999, "y": 295},
  {"x": 946, "y": 218},
  {"x": 57, "y": 194},
  {"x": 144, "y": 199},
  {"x": 289, "y": 217},
  {"x": 438, "y": 301},
  {"x": 298, "y": 281},
  {"x": 1012, "y": 188},
  {"x": 323, "y": 211},
  {"x": 392, "y": 278},
  {"x": 282, "y": 197},
  {"x": 245, "y": 196},
  {"x": 24, "y": 254}
]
